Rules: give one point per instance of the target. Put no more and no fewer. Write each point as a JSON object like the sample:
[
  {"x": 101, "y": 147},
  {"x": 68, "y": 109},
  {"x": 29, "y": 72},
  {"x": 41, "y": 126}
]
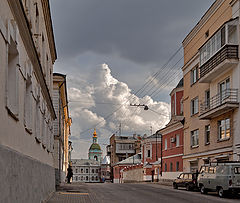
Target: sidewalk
[{"x": 73, "y": 193}]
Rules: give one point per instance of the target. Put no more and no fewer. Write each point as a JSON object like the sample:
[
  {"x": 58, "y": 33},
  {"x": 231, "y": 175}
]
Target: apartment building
[
  {"x": 122, "y": 147},
  {"x": 172, "y": 136},
  {"x": 61, "y": 127},
  {"x": 27, "y": 55},
  {"x": 211, "y": 87}
]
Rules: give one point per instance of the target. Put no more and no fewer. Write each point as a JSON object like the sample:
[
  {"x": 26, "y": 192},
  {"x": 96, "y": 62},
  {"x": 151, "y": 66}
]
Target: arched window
[
  {"x": 96, "y": 158},
  {"x": 82, "y": 178},
  {"x": 92, "y": 178},
  {"x": 86, "y": 170},
  {"x": 92, "y": 170},
  {"x": 96, "y": 178},
  {"x": 81, "y": 170},
  {"x": 76, "y": 170},
  {"x": 87, "y": 178}
]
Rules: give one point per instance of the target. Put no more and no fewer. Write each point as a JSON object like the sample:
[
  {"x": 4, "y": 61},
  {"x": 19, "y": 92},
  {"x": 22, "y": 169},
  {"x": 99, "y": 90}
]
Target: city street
[{"x": 145, "y": 192}]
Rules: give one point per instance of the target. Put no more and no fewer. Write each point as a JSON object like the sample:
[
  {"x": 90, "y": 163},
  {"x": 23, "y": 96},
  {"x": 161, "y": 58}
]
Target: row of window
[
  {"x": 172, "y": 140},
  {"x": 86, "y": 170},
  {"x": 223, "y": 132},
  {"x": 82, "y": 178},
  {"x": 171, "y": 167},
  {"x": 224, "y": 93},
  {"x": 37, "y": 119}
]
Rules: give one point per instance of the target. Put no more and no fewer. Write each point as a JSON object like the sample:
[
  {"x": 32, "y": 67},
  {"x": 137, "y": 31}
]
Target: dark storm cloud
[{"x": 142, "y": 31}]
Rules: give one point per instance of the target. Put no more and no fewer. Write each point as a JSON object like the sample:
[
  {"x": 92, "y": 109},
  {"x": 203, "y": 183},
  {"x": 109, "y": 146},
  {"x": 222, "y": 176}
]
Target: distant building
[
  {"x": 85, "y": 170},
  {"x": 130, "y": 162},
  {"x": 61, "y": 127},
  {"x": 122, "y": 147},
  {"x": 151, "y": 157},
  {"x": 106, "y": 169}
]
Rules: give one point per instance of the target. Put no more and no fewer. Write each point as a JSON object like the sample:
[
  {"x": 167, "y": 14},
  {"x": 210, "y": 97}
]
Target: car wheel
[
  {"x": 220, "y": 192},
  {"x": 175, "y": 186},
  {"x": 203, "y": 190},
  {"x": 188, "y": 188}
]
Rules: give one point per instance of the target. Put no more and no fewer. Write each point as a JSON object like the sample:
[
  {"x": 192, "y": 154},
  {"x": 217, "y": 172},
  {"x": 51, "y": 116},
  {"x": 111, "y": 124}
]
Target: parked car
[
  {"x": 220, "y": 177},
  {"x": 187, "y": 180}
]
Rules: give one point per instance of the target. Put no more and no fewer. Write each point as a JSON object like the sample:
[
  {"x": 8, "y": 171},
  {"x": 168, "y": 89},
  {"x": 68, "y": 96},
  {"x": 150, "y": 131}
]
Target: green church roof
[{"x": 95, "y": 146}]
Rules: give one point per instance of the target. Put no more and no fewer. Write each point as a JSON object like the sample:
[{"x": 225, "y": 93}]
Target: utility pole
[
  {"x": 120, "y": 129},
  {"x": 151, "y": 130}
]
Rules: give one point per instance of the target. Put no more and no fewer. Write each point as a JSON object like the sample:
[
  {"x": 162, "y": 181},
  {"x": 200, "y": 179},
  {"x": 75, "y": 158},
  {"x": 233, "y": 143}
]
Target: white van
[{"x": 220, "y": 177}]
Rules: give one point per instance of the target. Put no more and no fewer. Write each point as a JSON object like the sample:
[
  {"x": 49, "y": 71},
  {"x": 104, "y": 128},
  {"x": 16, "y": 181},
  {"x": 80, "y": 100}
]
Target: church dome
[{"x": 95, "y": 146}]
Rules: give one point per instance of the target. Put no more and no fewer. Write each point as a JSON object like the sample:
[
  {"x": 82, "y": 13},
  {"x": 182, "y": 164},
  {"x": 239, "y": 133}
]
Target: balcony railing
[
  {"x": 220, "y": 103},
  {"x": 227, "y": 52}
]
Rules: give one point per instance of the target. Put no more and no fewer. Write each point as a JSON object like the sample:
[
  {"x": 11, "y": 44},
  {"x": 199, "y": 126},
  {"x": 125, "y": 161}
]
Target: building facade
[
  {"x": 85, "y": 170},
  {"x": 106, "y": 169},
  {"x": 172, "y": 136},
  {"x": 27, "y": 55},
  {"x": 61, "y": 127},
  {"x": 151, "y": 157},
  {"x": 211, "y": 87}
]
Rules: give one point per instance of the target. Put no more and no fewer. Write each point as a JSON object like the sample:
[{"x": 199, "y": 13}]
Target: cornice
[
  {"x": 49, "y": 28},
  {"x": 202, "y": 21},
  {"x": 24, "y": 30}
]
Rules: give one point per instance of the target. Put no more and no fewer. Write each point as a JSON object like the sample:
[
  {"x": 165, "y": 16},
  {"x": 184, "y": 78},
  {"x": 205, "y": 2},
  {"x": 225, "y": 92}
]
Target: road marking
[{"x": 72, "y": 193}]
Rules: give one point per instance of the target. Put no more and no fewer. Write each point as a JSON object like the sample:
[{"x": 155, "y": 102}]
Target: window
[
  {"x": 28, "y": 105},
  {"x": 194, "y": 138},
  {"x": 96, "y": 178},
  {"x": 81, "y": 170},
  {"x": 12, "y": 79},
  {"x": 194, "y": 106},
  {"x": 86, "y": 170},
  {"x": 165, "y": 144},
  {"x": 76, "y": 170},
  {"x": 92, "y": 178},
  {"x": 148, "y": 153},
  {"x": 237, "y": 170},
  {"x": 96, "y": 170},
  {"x": 86, "y": 178},
  {"x": 177, "y": 166},
  {"x": 207, "y": 99},
  {"x": 214, "y": 44},
  {"x": 224, "y": 90},
  {"x": 212, "y": 170},
  {"x": 207, "y": 134},
  {"x": 165, "y": 167},
  {"x": 92, "y": 170},
  {"x": 171, "y": 166},
  {"x": 194, "y": 75},
  {"x": 76, "y": 178},
  {"x": 177, "y": 140},
  {"x": 81, "y": 178},
  {"x": 224, "y": 129}
]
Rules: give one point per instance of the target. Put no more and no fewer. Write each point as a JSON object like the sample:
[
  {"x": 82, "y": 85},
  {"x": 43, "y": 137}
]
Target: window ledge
[
  {"x": 192, "y": 115},
  {"x": 13, "y": 115},
  {"x": 193, "y": 147},
  {"x": 224, "y": 139},
  {"x": 208, "y": 143},
  {"x": 29, "y": 130}
]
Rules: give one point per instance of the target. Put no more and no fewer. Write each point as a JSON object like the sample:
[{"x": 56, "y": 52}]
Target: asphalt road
[
  {"x": 144, "y": 193},
  {"x": 131, "y": 193}
]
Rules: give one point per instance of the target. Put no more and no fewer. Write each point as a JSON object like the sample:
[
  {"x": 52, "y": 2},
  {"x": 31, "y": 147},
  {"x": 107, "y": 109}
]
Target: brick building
[{"x": 172, "y": 136}]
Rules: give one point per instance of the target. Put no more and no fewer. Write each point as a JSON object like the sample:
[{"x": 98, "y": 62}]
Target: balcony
[
  {"x": 219, "y": 104},
  {"x": 224, "y": 60}
]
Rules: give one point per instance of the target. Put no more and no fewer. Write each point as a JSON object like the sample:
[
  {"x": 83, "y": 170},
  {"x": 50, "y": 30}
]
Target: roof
[
  {"x": 154, "y": 136},
  {"x": 95, "y": 146},
  {"x": 106, "y": 160},
  {"x": 135, "y": 159},
  {"x": 84, "y": 162},
  {"x": 180, "y": 84}
]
